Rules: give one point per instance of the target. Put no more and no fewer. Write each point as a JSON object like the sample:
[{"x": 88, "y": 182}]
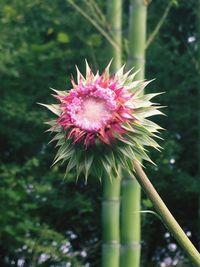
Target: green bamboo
[
  {"x": 130, "y": 223},
  {"x": 131, "y": 192},
  {"x": 110, "y": 223},
  {"x": 111, "y": 190},
  {"x": 166, "y": 215},
  {"x": 137, "y": 36},
  {"x": 114, "y": 19}
]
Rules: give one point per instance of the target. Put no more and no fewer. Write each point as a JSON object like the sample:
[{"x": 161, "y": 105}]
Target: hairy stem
[{"x": 166, "y": 215}]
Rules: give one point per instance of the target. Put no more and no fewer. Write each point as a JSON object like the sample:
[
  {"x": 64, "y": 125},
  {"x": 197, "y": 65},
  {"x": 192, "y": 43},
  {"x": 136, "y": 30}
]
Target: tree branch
[
  {"x": 159, "y": 25},
  {"x": 94, "y": 23}
]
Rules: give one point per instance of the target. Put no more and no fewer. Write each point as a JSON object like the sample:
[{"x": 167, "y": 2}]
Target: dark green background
[{"x": 43, "y": 215}]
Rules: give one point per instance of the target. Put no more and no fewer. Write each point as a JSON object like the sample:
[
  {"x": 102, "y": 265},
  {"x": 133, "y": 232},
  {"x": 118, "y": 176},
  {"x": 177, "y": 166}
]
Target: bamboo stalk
[
  {"x": 130, "y": 223},
  {"x": 114, "y": 19},
  {"x": 137, "y": 36},
  {"x": 110, "y": 223},
  {"x": 111, "y": 190},
  {"x": 166, "y": 215},
  {"x": 131, "y": 192}
]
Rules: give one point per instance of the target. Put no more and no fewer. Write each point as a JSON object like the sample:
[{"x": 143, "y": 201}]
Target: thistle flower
[{"x": 102, "y": 123}]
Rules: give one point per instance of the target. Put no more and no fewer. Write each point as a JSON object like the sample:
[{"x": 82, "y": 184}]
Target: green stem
[
  {"x": 166, "y": 215},
  {"x": 137, "y": 36},
  {"x": 130, "y": 219},
  {"x": 114, "y": 20},
  {"x": 111, "y": 190},
  {"x": 110, "y": 223}
]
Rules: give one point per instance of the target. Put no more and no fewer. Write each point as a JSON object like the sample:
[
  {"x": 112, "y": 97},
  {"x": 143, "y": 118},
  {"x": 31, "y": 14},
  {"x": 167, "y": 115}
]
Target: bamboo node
[{"x": 130, "y": 245}]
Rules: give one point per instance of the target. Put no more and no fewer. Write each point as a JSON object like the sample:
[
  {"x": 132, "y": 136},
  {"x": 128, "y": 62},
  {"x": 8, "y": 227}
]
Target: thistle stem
[{"x": 166, "y": 215}]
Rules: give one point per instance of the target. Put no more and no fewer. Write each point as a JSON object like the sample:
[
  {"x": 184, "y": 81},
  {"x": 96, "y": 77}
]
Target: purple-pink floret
[{"x": 96, "y": 108}]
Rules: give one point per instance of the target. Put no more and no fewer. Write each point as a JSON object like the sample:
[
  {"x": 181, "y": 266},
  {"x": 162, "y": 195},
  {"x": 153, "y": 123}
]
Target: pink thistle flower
[
  {"x": 104, "y": 118},
  {"x": 95, "y": 109}
]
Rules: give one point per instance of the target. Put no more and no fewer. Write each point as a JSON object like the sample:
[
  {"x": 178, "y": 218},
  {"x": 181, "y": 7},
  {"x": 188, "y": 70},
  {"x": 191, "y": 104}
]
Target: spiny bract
[{"x": 102, "y": 124}]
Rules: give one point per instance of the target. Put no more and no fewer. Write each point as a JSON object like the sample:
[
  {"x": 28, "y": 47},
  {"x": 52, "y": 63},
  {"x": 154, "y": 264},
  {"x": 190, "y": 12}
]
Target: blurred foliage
[{"x": 45, "y": 220}]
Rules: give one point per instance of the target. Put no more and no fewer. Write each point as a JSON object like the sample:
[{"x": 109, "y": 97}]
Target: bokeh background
[{"x": 46, "y": 220}]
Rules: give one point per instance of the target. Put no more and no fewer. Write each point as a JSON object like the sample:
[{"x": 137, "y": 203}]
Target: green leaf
[
  {"x": 63, "y": 37},
  {"x": 147, "y": 203},
  {"x": 94, "y": 40}
]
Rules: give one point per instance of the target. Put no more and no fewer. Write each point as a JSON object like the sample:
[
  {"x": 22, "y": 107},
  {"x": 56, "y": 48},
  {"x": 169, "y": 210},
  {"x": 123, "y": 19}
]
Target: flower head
[{"x": 102, "y": 122}]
